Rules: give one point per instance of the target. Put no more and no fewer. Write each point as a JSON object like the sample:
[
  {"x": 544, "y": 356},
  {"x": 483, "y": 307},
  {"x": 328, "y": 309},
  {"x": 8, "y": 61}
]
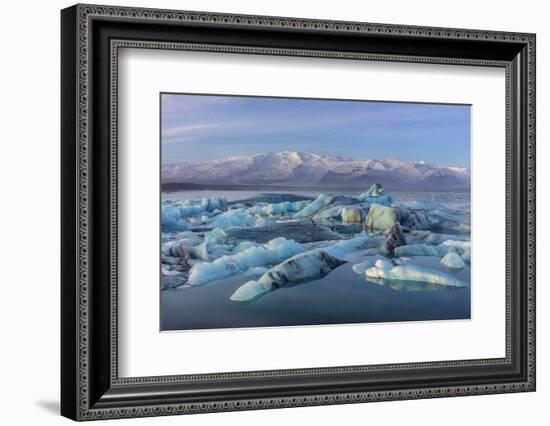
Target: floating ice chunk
[
  {"x": 344, "y": 249},
  {"x": 434, "y": 238},
  {"x": 415, "y": 219},
  {"x": 225, "y": 266},
  {"x": 256, "y": 270},
  {"x": 249, "y": 291},
  {"x": 360, "y": 268},
  {"x": 321, "y": 201},
  {"x": 395, "y": 238},
  {"x": 302, "y": 231},
  {"x": 171, "y": 219},
  {"x": 421, "y": 250},
  {"x": 216, "y": 236},
  {"x": 212, "y": 204},
  {"x": 283, "y": 208},
  {"x": 414, "y": 273},
  {"x": 466, "y": 256},
  {"x": 329, "y": 212},
  {"x": 375, "y": 190},
  {"x": 191, "y": 210},
  {"x": 301, "y": 267},
  {"x": 453, "y": 260},
  {"x": 244, "y": 245},
  {"x": 231, "y": 218},
  {"x": 352, "y": 214},
  {"x": 456, "y": 243},
  {"x": 383, "y": 264},
  {"x": 381, "y": 218}
]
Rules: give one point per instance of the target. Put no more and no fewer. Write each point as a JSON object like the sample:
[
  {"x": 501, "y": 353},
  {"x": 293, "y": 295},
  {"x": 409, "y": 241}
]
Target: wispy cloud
[{"x": 202, "y": 127}]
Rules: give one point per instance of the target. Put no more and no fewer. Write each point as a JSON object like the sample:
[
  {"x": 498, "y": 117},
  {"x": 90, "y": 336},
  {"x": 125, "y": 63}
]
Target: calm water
[{"x": 341, "y": 297}]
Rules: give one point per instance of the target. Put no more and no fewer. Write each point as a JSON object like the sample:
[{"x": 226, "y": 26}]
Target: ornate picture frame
[{"x": 91, "y": 37}]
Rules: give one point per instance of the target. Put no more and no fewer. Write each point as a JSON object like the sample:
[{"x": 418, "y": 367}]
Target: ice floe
[
  {"x": 225, "y": 266},
  {"x": 453, "y": 260},
  {"x": 410, "y": 272},
  {"x": 301, "y": 267},
  {"x": 381, "y": 218}
]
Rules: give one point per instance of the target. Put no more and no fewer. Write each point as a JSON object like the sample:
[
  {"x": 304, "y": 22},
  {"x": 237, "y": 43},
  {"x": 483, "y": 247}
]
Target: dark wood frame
[{"x": 91, "y": 37}]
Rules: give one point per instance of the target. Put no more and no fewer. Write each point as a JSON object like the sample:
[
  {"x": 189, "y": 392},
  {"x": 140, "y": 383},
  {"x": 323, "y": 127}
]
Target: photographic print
[{"x": 291, "y": 211}]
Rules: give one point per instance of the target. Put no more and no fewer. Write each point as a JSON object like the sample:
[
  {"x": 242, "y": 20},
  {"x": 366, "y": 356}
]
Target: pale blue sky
[{"x": 203, "y": 127}]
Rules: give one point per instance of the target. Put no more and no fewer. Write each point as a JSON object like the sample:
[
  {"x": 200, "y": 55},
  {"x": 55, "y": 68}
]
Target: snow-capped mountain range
[{"x": 300, "y": 169}]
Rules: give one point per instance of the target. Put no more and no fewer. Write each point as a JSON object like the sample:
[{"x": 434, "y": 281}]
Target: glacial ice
[
  {"x": 171, "y": 219},
  {"x": 421, "y": 250},
  {"x": 301, "y": 267},
  {"x": 410, "y": 272},
  {"x": 210, "y": 238},
  {"x": 321, "y": 201},
  {"x": 435, "y": 238},
  {"x": 381, "y": 218},
  {"x": 352, "y": 214},
  {"x": 225, "y": 266},
  {"x": 285, "y": 207},
  {"x": 375, "y": 190},
  {"x": 234, "y": 218},
  {"x": 346, "y": 249},
  {"x": 453, "y": 260},
  {"x": 368, "y": 262},
  {"x": 302, "y": 231}
]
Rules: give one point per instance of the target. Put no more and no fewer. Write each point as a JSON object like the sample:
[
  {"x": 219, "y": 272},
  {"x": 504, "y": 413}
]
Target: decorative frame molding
[{"x": 91, "y": 388}]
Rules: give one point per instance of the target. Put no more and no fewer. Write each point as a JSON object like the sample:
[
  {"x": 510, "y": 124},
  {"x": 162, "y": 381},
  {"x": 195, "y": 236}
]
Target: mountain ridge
[{"x": 302, "y": 169}]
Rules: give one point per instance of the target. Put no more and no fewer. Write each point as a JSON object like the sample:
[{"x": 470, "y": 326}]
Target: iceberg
[
  {"x": 452, "y": 260},
  {"x": 321, "y": 201},
  {"x": 421, "y": 250},
  {"x": 225, "y": 266},
  {"x": 360, "y": 268},
  {"x": 460, "y": 244},
  {"x": 467, "y": 255},
  {"x": 283, "y": 208},
  {"x": 302, "y": 231},
  {"x": 381, "y": 218},
  {"x": 411, "y": 272},
  {"x": 435, "y": 238},
  {"x": 352, "y": 215},
  {"x": 375, "y": 190},
  {"x": 301, "y": 267},
  {"x": 237, "y": 217},
  {"x": 345, "y": 249},
  {"x": 395, "y": 238},
  {"x": 171, "y": 219}
]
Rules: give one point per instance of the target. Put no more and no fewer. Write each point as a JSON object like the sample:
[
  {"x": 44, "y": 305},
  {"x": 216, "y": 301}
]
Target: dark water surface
[{"x": 341, "y": 297}]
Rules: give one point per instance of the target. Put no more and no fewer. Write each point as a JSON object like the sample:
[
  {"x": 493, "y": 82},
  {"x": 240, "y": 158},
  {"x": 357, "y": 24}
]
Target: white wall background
[{"x": 29, "y": 225}]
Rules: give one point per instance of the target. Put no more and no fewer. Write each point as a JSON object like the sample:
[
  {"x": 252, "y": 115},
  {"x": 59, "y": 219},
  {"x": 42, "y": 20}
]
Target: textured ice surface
[
  {"x": 421, "y": 250},
  {"x": 381, "y": 218},
  {"x": 301, "y": 267},
  {"x": 453, "y": 260},
  {"x": 409, "y": 272},
  {"x": 271, "y": 253},
  {"x": 366, "y": 263},
  {"x": 302, "y": 231},
  {"x": 238, "y": 217},
  {"x": 352, "y": 214},
  {"x": 171, "y": 219},
  {"x": 346, "y": 249},
  {"x": 321, "y": 201}
]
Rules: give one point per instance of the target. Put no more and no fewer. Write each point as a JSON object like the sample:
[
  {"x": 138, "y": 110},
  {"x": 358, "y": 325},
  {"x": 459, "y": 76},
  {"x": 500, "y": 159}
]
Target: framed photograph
[{"x": 263, "y": 212}]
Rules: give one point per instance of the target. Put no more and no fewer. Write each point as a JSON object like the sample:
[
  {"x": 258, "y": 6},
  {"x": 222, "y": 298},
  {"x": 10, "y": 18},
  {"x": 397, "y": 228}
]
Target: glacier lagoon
[{"x": 249, "y": 258}]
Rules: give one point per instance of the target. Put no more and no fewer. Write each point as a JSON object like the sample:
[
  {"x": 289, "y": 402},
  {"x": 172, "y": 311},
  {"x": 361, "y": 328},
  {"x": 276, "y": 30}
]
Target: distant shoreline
[{"x": 187, "y": 186}]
